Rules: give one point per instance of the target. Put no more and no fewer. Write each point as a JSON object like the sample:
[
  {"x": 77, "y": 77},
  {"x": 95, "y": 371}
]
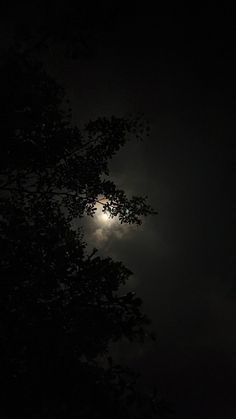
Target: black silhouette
[{"x": 60, "y": 306}]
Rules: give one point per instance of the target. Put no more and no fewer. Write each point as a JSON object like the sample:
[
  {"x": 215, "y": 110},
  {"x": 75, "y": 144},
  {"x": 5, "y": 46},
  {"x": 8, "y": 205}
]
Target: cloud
[
  {"x": 104, "y": 228},
  {"x": 105, "y": 232}
]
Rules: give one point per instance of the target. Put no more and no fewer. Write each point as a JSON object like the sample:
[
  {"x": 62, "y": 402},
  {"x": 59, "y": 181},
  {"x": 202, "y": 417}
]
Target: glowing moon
[
  {"x": 106, "y": 227},
  {"x": 105, "y": 217}
]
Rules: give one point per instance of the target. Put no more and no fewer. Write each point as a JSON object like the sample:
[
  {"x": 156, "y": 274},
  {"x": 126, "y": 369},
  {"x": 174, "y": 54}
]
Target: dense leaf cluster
[{"x": 60, "y": 306}]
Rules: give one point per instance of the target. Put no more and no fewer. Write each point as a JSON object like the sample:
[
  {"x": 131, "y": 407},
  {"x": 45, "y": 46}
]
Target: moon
[
  {"x": 104, "y": 227},
  {"x": 104, "y": 219}
]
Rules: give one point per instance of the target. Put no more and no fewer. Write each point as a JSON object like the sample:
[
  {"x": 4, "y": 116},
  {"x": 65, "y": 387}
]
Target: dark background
[{"x": 177, "y": 66}]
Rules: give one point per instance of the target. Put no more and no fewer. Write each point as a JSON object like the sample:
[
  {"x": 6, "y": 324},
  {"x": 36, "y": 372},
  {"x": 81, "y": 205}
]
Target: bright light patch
[
  {"x": 107, "y": 228},
  {"x": 105, "y": 217},
  {"x": 104, "y": 220}
]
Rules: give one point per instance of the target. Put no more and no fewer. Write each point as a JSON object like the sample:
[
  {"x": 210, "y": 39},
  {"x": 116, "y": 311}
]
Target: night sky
[{"x": 178, "y": 68}]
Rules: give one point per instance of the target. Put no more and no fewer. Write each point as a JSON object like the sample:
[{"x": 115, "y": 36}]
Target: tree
[{"x": 61, "y": 306}]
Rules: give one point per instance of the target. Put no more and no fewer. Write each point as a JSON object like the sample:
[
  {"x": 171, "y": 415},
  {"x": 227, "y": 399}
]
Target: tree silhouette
[{"x": 61, "y": 306}]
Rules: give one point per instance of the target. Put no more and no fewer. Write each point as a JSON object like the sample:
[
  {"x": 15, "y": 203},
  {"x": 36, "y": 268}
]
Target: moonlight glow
[
  {"x": 104, "y": 219},
  {"x": 106, "y": 227}
]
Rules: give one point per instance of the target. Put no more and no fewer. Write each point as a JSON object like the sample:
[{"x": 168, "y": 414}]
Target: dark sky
[{"x": 178, "y": 67}]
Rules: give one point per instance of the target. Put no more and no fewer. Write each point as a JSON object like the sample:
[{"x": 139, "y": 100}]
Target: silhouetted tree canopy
[{"x": 61, "y": 306}]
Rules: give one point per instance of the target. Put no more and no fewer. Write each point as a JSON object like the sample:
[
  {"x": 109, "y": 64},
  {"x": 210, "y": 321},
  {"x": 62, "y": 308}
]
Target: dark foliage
[{"x": 60, "y": 306}]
